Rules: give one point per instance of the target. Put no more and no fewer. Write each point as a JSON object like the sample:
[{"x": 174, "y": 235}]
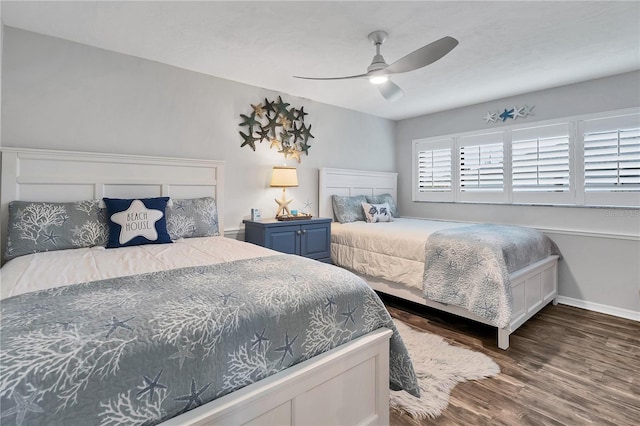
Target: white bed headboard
[
  {"x": 62, "y": 176},
  {"x": 352, "y": 182}
]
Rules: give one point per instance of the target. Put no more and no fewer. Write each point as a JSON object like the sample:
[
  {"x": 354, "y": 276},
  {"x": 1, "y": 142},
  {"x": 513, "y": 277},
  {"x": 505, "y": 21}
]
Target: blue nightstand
[{"x": 309, "y": 237}]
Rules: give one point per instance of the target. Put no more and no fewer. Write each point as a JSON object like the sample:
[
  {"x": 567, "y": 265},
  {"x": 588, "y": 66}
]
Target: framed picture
[{"x": 255, "y": 214}]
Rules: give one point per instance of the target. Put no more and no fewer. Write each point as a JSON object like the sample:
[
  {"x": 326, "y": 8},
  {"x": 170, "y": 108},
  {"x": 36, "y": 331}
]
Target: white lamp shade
[{"x": 284, "y": 177}]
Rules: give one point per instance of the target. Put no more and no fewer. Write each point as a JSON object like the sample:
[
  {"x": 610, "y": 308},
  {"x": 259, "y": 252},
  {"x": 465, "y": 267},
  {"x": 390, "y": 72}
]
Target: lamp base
[{"x": 283, "y": 204}]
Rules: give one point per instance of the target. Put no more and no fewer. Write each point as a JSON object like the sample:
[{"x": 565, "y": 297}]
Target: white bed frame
[
  {"x": 348, "y": 385},
  {"x": 532, "y": 287}
]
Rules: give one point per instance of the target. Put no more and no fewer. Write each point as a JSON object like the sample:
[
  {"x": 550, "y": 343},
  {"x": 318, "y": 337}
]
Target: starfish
[
  {"x": 490, "y": 117},
  {"x": 268, "y": 106},
  {"x": 249, "y": 121},
  {"x": 275, "y": 142},
  {"x": 286, "y": 348},
  {"x": 178, "y": 205},
  {"x": 271, "y": 124},
  {"x": 23, "y": 406},
  {"x": 248, "y": 140},
  {"x": 296, "y": 132},
  {"x": 300, "y": 114},
  {"x": 258, "y": 110},
  {"x": 284, "y": 121},
  {"x": 295, "y": 153},
  {"x": 263, "y": 133},
  {"x": 193, "y": 399},
  {"x": 115, "y": 323},
  {"x": 304, "y": 147},
  {"x": 50, "y": 237},
  {"x": 528, "y": 110},
  {"x": 439, "y": 253},
  {"x": 285, "y": 151},
  {"x": 506, "y": 114},
  {"x": 517, "y": 112},
  {"x": 151, "y": 386},
  {"x": 182, "y": 354},
  {"x": 65, "y": 325},
  {"x": 285, "y": 137},
  {"x": 306, "y": 131},
  {"x": 348, "y": 315},
  {"x": 330, "y": 304},
  {"x": 259, "y": 339},
  {"x": 451, "y": 265},
  {"x": 280, "y": 106}
]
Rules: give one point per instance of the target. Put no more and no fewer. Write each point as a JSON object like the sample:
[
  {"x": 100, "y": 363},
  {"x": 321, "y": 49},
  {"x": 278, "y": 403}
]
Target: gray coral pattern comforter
[
  {"x": 145, "y": 348},
  {"x": 470, "y": 266}
]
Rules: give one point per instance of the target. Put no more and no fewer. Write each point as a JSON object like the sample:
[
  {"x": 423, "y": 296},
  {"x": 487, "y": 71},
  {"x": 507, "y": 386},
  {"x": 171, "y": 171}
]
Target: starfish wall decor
[
  {"x": 508, "y": 113},
  {"x": 282, "y": 127}
]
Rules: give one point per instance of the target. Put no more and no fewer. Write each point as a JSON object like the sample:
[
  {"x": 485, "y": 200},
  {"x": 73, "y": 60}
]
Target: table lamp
[{"x": 284, "y": 177}]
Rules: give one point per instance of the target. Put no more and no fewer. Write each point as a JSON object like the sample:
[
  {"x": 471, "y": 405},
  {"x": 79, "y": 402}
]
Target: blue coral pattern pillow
[
  {"x": 348, "y": 209},
  {"x": 42, "y": 226},
  {"x": 384, "y": 198},
  {"x": 377, "y": 212},
  {"x": 135, "y": 222},
  {"x": 197, "y": 217}
]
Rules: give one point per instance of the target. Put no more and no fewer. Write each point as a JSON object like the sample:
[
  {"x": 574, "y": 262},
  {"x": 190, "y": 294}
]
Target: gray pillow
[
  {"x": 41, "y": 226},
  {"x": 196, "y": 217},
  {"x": 384, "y": 198},
  {"x": 348, "y": 209}
]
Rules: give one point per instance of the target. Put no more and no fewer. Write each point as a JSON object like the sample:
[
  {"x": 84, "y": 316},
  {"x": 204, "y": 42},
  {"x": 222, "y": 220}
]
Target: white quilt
[
  {"x": 64, "y": 267},
  {"x": 394, "y": 250}
]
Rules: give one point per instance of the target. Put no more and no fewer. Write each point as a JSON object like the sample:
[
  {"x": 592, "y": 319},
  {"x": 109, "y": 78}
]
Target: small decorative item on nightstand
[{"x": 255, "y": 214}]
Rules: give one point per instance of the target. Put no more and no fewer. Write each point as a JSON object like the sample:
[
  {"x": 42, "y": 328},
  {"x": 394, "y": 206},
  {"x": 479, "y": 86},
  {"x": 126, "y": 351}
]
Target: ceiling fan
[{"x": 379, "y": 71}]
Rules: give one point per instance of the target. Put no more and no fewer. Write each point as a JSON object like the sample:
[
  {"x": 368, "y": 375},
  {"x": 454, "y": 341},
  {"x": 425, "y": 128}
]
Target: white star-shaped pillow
[{"x": 137, "y": 221}]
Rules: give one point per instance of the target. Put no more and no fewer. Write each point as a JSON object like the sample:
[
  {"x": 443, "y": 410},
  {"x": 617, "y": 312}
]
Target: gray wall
[
  {"x": 600, "y": 246},
  {"x": 62, "y": 95}
]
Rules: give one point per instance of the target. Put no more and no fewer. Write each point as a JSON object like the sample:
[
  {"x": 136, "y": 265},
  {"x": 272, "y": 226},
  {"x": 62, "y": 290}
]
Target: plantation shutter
[
  {"x": 481, "y": 167},
  {"x": 612, "y": 154},
  {"x": 540, "y": 159},
  {"x": 433, "y": 170}
]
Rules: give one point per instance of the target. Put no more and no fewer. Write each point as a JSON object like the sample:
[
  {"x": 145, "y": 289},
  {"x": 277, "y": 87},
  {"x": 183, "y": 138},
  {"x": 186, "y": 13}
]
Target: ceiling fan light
[{"x": 378, "y": 79}]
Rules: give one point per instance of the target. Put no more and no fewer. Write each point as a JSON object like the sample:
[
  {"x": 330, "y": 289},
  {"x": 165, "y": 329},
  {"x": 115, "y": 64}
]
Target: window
[
  {"x": 481, "y": 167},
  {"x": 541, "y": 164},
  {"x": 612, "y": 160},
  {"x": 433, "y": 168},
  {"x": 591, "y": 160}
]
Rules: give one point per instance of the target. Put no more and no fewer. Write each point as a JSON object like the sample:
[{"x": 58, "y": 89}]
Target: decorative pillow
[
  {"x": 134, "y": 222},
  {"x": 377, "y": 212},
  {"x": 384, "y": 198},
  {"x": 196, "y": 217},
  {"x": 40, "y": 226},
  {"x": 348, "y": 209}
]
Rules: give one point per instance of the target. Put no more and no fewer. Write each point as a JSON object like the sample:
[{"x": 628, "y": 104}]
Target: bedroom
[{"x": 74, "y": 79}]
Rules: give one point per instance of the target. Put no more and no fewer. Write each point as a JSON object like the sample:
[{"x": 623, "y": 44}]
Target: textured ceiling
[{"x": 506, "y": 48}]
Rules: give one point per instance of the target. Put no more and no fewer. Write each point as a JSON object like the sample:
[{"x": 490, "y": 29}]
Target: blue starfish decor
[
  {"x": 508, "y": 113},
  {"x": 282, "y": 126}
]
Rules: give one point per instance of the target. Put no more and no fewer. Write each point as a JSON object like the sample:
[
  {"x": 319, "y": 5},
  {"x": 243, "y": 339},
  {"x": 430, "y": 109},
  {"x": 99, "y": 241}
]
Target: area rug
[{"x": 439, "y": 367}]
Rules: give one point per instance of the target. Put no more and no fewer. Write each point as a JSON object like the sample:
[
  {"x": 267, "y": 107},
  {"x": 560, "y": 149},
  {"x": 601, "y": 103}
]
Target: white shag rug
[{"x": 439, "y": 366}]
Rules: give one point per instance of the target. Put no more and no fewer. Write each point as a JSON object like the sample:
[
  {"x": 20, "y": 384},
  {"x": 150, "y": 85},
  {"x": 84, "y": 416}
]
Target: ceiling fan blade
[
  {"x": 424, "y": 56},
  {"x": 390, "y": 91},
  {"x": 331, "y": 78}
]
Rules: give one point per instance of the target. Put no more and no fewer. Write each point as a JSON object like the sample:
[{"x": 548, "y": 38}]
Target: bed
[
  {"x": 201, "y": 330},
  {"x": 494, "y": 274}
]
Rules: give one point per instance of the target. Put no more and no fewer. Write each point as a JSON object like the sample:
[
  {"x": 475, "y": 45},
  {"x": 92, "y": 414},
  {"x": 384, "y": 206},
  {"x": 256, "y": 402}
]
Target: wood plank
[{"x": 565, "y": 366}]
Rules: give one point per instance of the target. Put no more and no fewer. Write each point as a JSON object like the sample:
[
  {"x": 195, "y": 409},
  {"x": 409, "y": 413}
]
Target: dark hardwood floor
[{"x": 565, "y": 366}]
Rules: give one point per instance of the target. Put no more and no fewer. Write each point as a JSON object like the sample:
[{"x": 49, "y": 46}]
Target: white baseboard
[{"x": 598, "y": 307}]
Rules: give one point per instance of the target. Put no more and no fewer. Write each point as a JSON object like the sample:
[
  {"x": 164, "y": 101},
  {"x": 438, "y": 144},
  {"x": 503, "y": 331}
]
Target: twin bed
[
  {"x": 198, "y": 331},
  {"x": 497, "y": 275}
]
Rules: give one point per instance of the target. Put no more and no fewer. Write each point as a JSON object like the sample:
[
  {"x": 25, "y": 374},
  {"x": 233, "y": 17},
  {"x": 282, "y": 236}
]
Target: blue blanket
[
  {"x": 145, "y": 348},
  {"x": 470, "y": 266}
]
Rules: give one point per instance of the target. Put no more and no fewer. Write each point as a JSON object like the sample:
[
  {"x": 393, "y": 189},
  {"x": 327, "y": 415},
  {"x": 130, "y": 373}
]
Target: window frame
[
  {"x": 430, "y": 144},
  {"x": 575, "y": 196}
]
